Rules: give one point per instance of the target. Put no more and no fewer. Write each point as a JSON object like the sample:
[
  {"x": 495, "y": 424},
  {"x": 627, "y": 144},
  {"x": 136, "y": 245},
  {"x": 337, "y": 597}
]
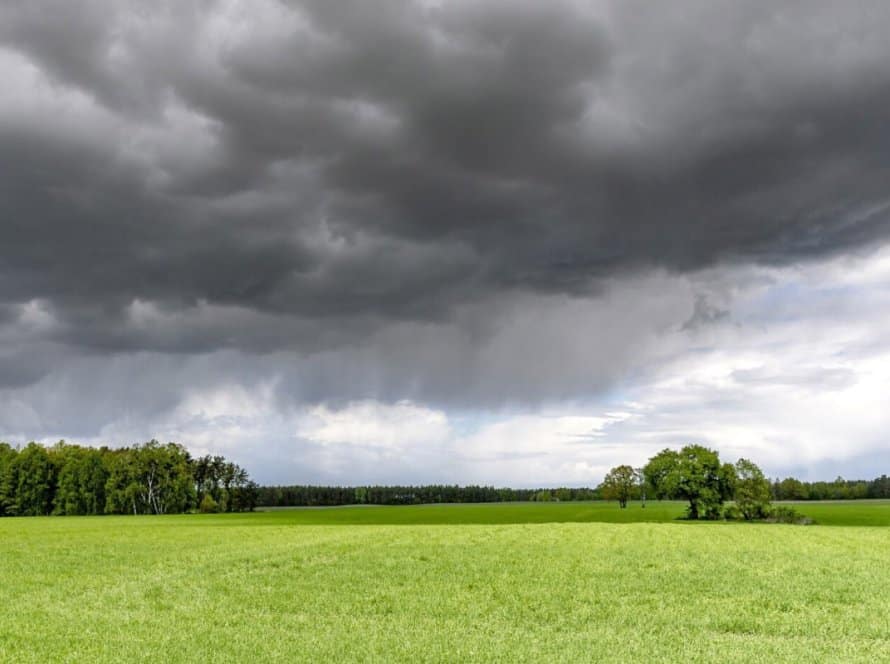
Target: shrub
[
  {"x": 208, "y": 504},
  {"x": 785, "y": 514}
]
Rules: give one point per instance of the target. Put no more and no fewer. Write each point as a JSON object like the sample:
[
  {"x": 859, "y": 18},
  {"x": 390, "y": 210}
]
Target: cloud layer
[{"x": 319, "y": 214}]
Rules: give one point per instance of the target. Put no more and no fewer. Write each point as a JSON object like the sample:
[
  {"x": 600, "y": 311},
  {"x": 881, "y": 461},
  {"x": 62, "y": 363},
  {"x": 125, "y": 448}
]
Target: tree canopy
[
  {"x": 151, "y": 478},
  {"x": 752, "y": 491},
  {"x": 694, "y": 474},
  {"x": 620, "y": 484}
]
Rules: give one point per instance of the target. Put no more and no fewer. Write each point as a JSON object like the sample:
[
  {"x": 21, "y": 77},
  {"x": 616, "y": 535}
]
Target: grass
[
  {"x": 514, "y": 582},
  {"x": 845, "y": 513},
  {"x": 838, "y": 513},
  {"x": 484, "y": 513}
]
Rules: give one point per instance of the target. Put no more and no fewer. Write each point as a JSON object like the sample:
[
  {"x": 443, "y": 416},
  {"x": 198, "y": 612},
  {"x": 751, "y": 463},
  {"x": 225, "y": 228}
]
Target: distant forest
[
  {"x": 308, "y": 495},
  {"x": 155, "y": 478},
  {"x": 839, "y": 489},
  {"x": 143, "y": 479},
  {"x": 324, "y": 496}
]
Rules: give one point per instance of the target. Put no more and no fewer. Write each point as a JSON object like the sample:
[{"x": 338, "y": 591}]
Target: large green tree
[
  {"x": 619, "y": 484},
  {"x": 694, "y": 474},
  {"x": 150, "y": 479},
  {"x": 657, "y": 469},
  {"x": 752, "y": 490},
  {"x": 226, "y": 483}
]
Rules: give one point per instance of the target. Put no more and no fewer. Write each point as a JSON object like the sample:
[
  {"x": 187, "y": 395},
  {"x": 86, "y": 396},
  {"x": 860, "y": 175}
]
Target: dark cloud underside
[{"x": 294, "y": 175}]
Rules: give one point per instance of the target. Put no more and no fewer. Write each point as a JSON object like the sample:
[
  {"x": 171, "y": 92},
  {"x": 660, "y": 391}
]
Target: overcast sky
[{"x": 512, "y": 243}]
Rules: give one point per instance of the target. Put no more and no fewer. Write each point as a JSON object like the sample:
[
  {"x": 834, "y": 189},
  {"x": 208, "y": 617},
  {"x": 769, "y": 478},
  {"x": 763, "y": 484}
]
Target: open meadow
[{"x": 495, "y": 582}]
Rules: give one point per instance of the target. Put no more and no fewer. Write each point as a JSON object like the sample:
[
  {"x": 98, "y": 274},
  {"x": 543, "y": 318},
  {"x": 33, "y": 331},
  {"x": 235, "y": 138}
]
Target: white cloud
[{"x": 375, "y": 424}]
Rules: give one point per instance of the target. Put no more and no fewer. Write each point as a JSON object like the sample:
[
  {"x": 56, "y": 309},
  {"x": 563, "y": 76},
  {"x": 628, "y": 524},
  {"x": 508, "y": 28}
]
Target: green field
[{"x": 504, "y": 582}]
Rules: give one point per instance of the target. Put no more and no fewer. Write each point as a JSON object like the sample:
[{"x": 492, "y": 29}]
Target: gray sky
[{"x": 501, "y": 242}]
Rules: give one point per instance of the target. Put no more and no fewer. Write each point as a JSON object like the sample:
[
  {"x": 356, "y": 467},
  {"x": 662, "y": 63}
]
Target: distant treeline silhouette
[
  {"x": 305, "y": 495},
  {"x": 143, "y": 479},
  {"x": 326, "y": 496},
  {"x": 840, "y": 489}
]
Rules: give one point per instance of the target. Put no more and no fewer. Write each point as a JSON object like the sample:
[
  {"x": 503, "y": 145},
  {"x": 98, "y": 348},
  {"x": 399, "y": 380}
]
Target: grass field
[
  {"x": 836, "y": 513},
  {"x": 517, "y": 582}
]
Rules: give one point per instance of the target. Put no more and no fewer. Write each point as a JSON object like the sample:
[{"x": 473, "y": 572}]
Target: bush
[
  {"x": 785, "y": 514},
  {"x": 208, "y": 504},
  {"x": 777, "y": 514}
]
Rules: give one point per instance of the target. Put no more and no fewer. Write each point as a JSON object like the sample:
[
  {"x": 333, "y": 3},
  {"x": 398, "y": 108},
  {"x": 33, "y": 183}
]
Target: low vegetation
[{"x": 443, "y": 583}]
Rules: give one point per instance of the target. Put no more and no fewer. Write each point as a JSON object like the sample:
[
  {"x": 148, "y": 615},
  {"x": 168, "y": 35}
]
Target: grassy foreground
[{"x": 446, "y": 583}]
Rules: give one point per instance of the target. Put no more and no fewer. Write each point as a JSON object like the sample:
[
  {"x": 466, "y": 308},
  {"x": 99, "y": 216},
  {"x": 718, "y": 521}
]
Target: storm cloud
[{"x": 471, "y": 205}]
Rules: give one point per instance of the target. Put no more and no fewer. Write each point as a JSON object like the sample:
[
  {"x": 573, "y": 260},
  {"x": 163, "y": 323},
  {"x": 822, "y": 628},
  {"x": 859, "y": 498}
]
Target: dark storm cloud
[
  {"x": 18, "y": 370},
  {"x": 197, "y": 175}
]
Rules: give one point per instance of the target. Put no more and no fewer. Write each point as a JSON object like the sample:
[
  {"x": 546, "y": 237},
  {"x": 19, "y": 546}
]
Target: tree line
[
  {"x": 155, "y": 478},
  {"x": 840, "y": 489},
  {"x": 624, "y": 483},
  {"x": 329, "y": 496},
  {"x": 151, "y": 478}
]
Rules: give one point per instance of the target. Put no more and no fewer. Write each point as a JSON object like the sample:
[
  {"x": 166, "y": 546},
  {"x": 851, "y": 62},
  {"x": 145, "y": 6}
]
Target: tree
[
  {"x": 150, "y": 479},
  {"x": 657, "y": 469},
  {"x": 227, "y": 484},
  {"x": 619, "y": 484},
  {"x": 694, "y": 474},
  {"x": 34, "y": 481},
  {"x": 752, "y": 490},
  {"x": 791, "y": 489},
  {"x": 80, "y": 484},
  {"x": 879, "y": 487},
  {"x": 122, "y": 486},
  {"x": 7, "y": 491}
]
